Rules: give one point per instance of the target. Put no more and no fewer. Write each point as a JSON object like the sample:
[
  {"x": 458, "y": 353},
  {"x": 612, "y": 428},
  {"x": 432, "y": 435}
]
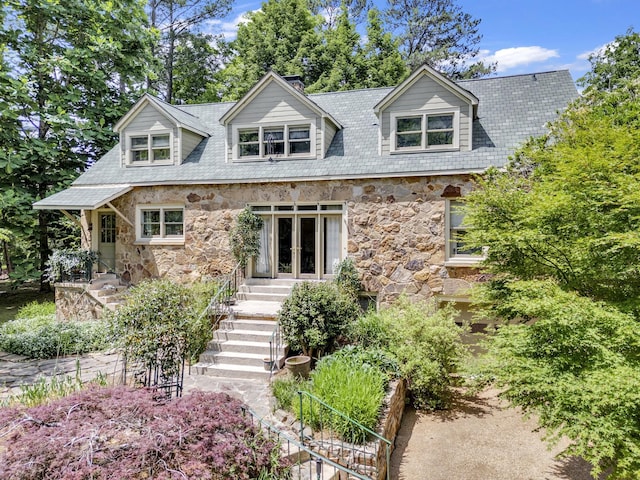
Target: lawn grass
[{"x": 12, "y": 300}]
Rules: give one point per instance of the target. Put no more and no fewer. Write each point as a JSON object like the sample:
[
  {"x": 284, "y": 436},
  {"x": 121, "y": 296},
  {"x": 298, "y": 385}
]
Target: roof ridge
[{"x": 467, "y": 80}]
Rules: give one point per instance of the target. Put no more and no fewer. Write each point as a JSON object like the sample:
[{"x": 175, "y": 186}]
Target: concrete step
[
  {"x": 230, "y": 371},
  {"x": 247, "y": 309},
  {"x": 250, "y": 323},
  {"x": 236, "y": 358},
  {"x": 246, "y": 335},
  {"x": 262, "y": 297},
  {"x": 239, "y": 346},
  {"x": 269, "y": 288}
]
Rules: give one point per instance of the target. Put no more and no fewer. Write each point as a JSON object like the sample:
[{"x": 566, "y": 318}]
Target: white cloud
[
  {"x": 596, "y": 51},
  {"x": 508, "y": 58},
  {"x": 227, "y": 27}
]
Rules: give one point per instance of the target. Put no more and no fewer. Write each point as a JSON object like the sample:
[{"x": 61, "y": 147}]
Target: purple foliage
[{"x": 117, "y": 433}]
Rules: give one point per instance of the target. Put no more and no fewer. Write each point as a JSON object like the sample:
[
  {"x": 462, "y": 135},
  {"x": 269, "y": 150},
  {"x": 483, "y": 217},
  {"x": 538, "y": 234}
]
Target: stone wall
[
  {"x": 392, "y": 419},
  {"x": 74, "y": 303},
  {"x": 395, "y": 230}
]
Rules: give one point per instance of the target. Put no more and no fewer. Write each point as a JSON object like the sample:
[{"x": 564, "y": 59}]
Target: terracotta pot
[{"x": 299, "y": 366}]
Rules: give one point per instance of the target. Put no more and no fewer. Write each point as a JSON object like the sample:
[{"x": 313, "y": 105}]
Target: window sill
[
  {"x": 424, "y": 150},
  {"x": 150, "y": 164},
  {"x": 160, "y": 241},
  {"x": 463, "y": 262},
  {"x": 274, "y": 159}
]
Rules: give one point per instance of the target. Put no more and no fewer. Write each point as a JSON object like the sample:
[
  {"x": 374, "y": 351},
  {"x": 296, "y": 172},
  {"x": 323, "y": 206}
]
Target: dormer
[
  {"x": 156, "y": 133},
  {"x": 426, "y": 113},
  {"x": 276, "y": 121}
]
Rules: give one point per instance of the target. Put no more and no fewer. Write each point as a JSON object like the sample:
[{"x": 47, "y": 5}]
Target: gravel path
[{"x": 479, "y": 439}]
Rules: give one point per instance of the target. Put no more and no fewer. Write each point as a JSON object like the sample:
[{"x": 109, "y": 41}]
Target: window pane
[
  {"x": 440, "y": 122},
  {"x": 274, "y": 148},
  {"x": 274, "y": 135},
  {"x": 411, "y": 124},
  {"x": 161, "y": 154},
  {"x": 140, "y": 156},
  {"x": 249, "y": 150},
  {"x": 173, "y": 229},
  {"x": 298, "y": 133},
  {"x": 151, "y": 216},
  {"x": 248, "y": 136},
  {"x": 299, "y": 147},
  {"x": 138, "y": 142},
  {"x": 151, "y": 230},
  {"x": 440, "y": 138},
  {"x": 459, "y": 247},
  {"x": 173, "y": 216},
  {"x": 404, "y": 140},
  {"x": 160, "y": 141}
]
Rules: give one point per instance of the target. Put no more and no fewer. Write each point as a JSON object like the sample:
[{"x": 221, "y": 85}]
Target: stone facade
[{"x": 395, "y": 230}]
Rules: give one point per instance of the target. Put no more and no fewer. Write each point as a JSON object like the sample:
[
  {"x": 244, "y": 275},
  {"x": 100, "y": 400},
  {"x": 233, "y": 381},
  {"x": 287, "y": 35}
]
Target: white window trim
[
  {"x": 263, "y": 155},
  {"x": 158, "y": 240},
  {"x": 149, "y": 134},
  {"x": 456, "y": 260},
  {"x": 455, "y": 111}
]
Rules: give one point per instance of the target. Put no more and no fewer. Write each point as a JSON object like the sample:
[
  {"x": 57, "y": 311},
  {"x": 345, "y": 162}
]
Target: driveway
[{"x": 479, "y": 439}]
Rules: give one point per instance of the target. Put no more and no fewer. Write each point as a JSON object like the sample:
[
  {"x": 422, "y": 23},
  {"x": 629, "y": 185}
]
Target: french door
[{"x": 298, "y": 242}]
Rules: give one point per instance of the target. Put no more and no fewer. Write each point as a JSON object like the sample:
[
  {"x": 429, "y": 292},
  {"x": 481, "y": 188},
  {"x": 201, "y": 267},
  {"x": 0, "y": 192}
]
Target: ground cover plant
[
  {"x": 117, "y": 433},
  {"x": 36, "y": 333}
]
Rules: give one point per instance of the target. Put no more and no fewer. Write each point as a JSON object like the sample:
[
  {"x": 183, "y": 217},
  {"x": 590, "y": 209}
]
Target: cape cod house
[{"x": 371, "y": 174}]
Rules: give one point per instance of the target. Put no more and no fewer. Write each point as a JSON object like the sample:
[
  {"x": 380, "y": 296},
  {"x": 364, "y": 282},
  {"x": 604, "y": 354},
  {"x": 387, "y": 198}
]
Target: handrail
[
  {"x": 275, "y": 345},
  {"x": 218, "y": 306},
  {"x": 382, "y": 459},
  {"x": 316, "y": 459}
]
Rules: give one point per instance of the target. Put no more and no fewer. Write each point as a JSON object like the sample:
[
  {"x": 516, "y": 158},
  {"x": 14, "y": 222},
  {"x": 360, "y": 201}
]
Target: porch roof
[{"x": 82, "y": 197}]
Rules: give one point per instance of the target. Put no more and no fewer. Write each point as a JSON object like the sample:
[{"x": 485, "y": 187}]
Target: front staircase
[
  {"x": 241, "y": 345},
  {"x": 107, "y": 289}
]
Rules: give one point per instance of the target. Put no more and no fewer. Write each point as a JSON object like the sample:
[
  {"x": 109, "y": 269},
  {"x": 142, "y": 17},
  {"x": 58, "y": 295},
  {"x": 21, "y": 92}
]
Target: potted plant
[
  {"x": 314, "y": 316},
  {"x": 70, "y": 264}
]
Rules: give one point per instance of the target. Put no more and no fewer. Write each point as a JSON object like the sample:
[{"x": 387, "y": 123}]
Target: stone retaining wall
[{"x": 74, "y": 303}]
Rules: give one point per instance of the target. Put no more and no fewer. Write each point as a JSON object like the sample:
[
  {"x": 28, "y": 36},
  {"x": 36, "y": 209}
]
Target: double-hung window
[
  {"x": 149, "y": 148},
  {"x": 434, "y": 130},
  {"x": 160, "y": 224},
  {"x": 457, "y": 250},
  {"x": 273, "y": 141}
]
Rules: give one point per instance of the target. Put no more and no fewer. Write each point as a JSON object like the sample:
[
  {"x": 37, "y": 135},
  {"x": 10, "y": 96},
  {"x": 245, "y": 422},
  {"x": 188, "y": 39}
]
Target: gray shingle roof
[
  {"x": 510, "y": 110},
  {"x": 82, "y": 197}
]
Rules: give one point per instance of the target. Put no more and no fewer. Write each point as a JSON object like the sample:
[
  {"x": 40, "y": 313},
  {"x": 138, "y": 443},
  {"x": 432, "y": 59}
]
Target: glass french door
[
  {"x": 306, "y": 250},
  {"x": 302, "y": 241}
]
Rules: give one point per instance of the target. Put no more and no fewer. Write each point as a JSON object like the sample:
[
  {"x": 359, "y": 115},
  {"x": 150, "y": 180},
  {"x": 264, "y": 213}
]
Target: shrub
[
  {"x": 162, "y": 322},
  {"x": 314, "y": 316},
  {"x": 347, "y": 278},
  {"x": 426, "y": 343},
  {"x": 371, "y": 330},
  {"x": 44, "y": 337},
  {"x": 115, "y": 433}
]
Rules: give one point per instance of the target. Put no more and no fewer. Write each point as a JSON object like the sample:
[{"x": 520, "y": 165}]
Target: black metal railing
[{"x": 306, "y": 463}]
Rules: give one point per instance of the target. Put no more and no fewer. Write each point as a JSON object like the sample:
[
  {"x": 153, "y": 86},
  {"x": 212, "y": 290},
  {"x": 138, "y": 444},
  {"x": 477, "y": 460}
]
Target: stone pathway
[{"x": 17, "y": 370}]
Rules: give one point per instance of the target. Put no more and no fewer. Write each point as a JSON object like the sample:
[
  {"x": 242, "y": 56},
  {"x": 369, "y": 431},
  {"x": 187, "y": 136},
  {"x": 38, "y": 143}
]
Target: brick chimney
[{"x": 295, "y": 82}]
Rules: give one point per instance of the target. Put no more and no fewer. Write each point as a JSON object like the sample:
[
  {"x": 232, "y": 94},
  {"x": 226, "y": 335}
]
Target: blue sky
[{"x": 526, "y": 36}]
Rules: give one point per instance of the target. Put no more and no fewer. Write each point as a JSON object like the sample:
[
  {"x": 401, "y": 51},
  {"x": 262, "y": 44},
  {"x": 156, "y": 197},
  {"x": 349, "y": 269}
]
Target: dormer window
[
  {"x": 273, "y": 141},
  {"x": 149, "y": 148},
  {"x": 424, "y": 131}
]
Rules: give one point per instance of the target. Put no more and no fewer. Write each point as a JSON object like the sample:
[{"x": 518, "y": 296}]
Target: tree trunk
[
  {"x": 7, "y": 258},
  {"x": 43, "y": 231}
]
